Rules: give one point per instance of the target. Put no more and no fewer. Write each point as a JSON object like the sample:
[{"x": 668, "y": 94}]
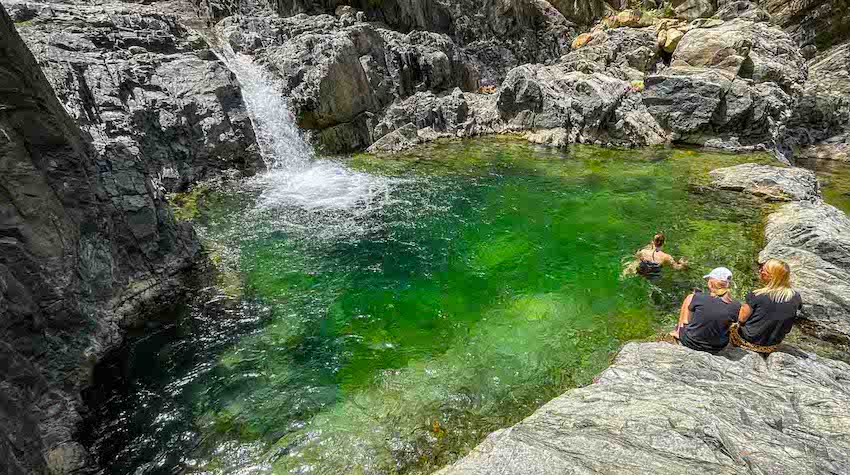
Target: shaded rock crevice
[{"x": 88, "y": 246}]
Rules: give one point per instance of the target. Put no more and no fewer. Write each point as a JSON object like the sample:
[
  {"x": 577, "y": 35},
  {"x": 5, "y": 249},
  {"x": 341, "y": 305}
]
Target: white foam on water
[{"x": 295, "y": 178}]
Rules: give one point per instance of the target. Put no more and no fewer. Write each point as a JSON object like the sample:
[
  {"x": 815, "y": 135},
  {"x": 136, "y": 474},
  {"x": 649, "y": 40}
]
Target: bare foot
[{"x": 675, "y": 333}]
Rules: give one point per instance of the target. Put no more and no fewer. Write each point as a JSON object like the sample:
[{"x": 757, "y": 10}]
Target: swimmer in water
[{"x": 650, "y": 259}]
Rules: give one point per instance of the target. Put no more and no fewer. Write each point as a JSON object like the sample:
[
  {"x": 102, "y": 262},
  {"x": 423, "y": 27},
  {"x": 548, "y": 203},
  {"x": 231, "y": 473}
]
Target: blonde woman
[{"x": 769, "y": 312}]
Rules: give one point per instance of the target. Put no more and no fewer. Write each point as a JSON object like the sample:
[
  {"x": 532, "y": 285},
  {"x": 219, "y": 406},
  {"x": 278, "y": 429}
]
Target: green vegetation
[{"x": 185, "y": 205}]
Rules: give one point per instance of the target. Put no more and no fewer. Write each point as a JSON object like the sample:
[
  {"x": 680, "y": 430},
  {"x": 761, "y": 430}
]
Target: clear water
[
  {"x": 389, "y": 332},
  {"x": 834, "y": 178}
]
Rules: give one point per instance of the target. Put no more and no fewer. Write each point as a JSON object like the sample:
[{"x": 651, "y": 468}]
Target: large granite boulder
[
  {"x": 731, "y": 85},
  {"x": 771, "y": 183},
  {"x": 590, "y": 108},
  {"x": 134, "y": 78},
  {"x": 665, "y": 409},
  {"x": 88, "y": 246},
  {"x": 814, "y": 238}
]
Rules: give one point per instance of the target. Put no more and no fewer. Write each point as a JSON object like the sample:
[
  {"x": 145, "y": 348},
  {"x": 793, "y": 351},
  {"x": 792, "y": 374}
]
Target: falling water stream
[{"x": 380, "y": 315}]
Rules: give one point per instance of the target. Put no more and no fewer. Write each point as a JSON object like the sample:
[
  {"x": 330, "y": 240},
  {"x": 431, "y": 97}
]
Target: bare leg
[{"x": 684, "y": 316}]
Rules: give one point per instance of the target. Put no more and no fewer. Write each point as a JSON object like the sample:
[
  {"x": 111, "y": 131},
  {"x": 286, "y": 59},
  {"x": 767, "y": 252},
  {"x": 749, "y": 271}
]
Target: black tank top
[{"x": 650, "y": 269}]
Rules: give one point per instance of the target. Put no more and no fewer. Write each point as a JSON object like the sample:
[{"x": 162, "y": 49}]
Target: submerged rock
[{"x": 662, "y": 408}]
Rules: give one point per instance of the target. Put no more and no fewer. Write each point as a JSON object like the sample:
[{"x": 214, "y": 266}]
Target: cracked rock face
[
  {"x": 88, "y": 246},
  {"x": 137, "y": 80},
  {"x": 664, "y": 409},
  {"x": 733, "y": 85}
]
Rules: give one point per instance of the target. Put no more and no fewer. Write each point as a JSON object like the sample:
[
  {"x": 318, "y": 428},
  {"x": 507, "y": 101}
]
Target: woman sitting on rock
[
  {"x": 649, "y": 260},
  {"x": 769, "y": 312},
  {"x": 705, "y": 318}
]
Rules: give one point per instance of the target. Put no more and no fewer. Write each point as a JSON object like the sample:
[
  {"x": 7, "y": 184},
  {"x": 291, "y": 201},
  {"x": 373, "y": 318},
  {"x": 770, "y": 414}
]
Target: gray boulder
[
  {"x": 624, "y": 53},
  {"x": 693, "y": 9},
  {"x": 742, "y": 9},
  {"x": 771, "y": 183},
  {"x": 399, "y": 139},
  {"x": 732, "y": 86},
  {"x": 592, "y": 108},
  {"x": 663, "y": 409},
  {"x": 136, "y": 79},
  {"x": 814, "y": 238},
  {"x": 756, "y": 51}
]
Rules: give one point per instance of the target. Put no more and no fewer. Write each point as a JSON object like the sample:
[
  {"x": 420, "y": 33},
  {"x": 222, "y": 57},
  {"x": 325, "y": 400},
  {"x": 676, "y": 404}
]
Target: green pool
[{"x": 476, "y": 281}]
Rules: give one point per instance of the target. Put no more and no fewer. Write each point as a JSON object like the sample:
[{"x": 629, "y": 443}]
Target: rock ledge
[{"x": 663, "y": 409}]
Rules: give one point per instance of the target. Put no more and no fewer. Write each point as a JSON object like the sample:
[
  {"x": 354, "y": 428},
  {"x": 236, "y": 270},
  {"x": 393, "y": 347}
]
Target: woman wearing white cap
[{"x": 705, "y": 318}]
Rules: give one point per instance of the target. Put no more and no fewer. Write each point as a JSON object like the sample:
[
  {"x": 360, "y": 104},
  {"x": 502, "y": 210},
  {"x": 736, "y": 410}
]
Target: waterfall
[{"x": 296, "y": 178}]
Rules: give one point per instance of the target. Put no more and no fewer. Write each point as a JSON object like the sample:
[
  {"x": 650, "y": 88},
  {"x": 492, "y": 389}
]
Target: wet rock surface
[
  {"x": 88, "y": 246},
  {"x": 662, "y": 408}
]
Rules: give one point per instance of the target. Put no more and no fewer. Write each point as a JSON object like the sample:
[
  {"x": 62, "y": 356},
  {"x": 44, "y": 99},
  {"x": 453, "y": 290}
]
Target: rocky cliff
[
  {"x": 137, "y": 79},
  {"x": 88, "y": 246},
  {"x": 725, "y": 75}
]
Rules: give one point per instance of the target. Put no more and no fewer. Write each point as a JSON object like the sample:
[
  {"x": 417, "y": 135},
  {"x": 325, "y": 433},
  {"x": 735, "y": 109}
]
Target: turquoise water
[{"x": 391, "y": 336}]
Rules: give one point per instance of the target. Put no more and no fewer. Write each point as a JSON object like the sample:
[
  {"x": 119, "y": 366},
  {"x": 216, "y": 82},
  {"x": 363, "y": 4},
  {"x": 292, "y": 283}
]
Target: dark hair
[{"x": 658, "y": 239}]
